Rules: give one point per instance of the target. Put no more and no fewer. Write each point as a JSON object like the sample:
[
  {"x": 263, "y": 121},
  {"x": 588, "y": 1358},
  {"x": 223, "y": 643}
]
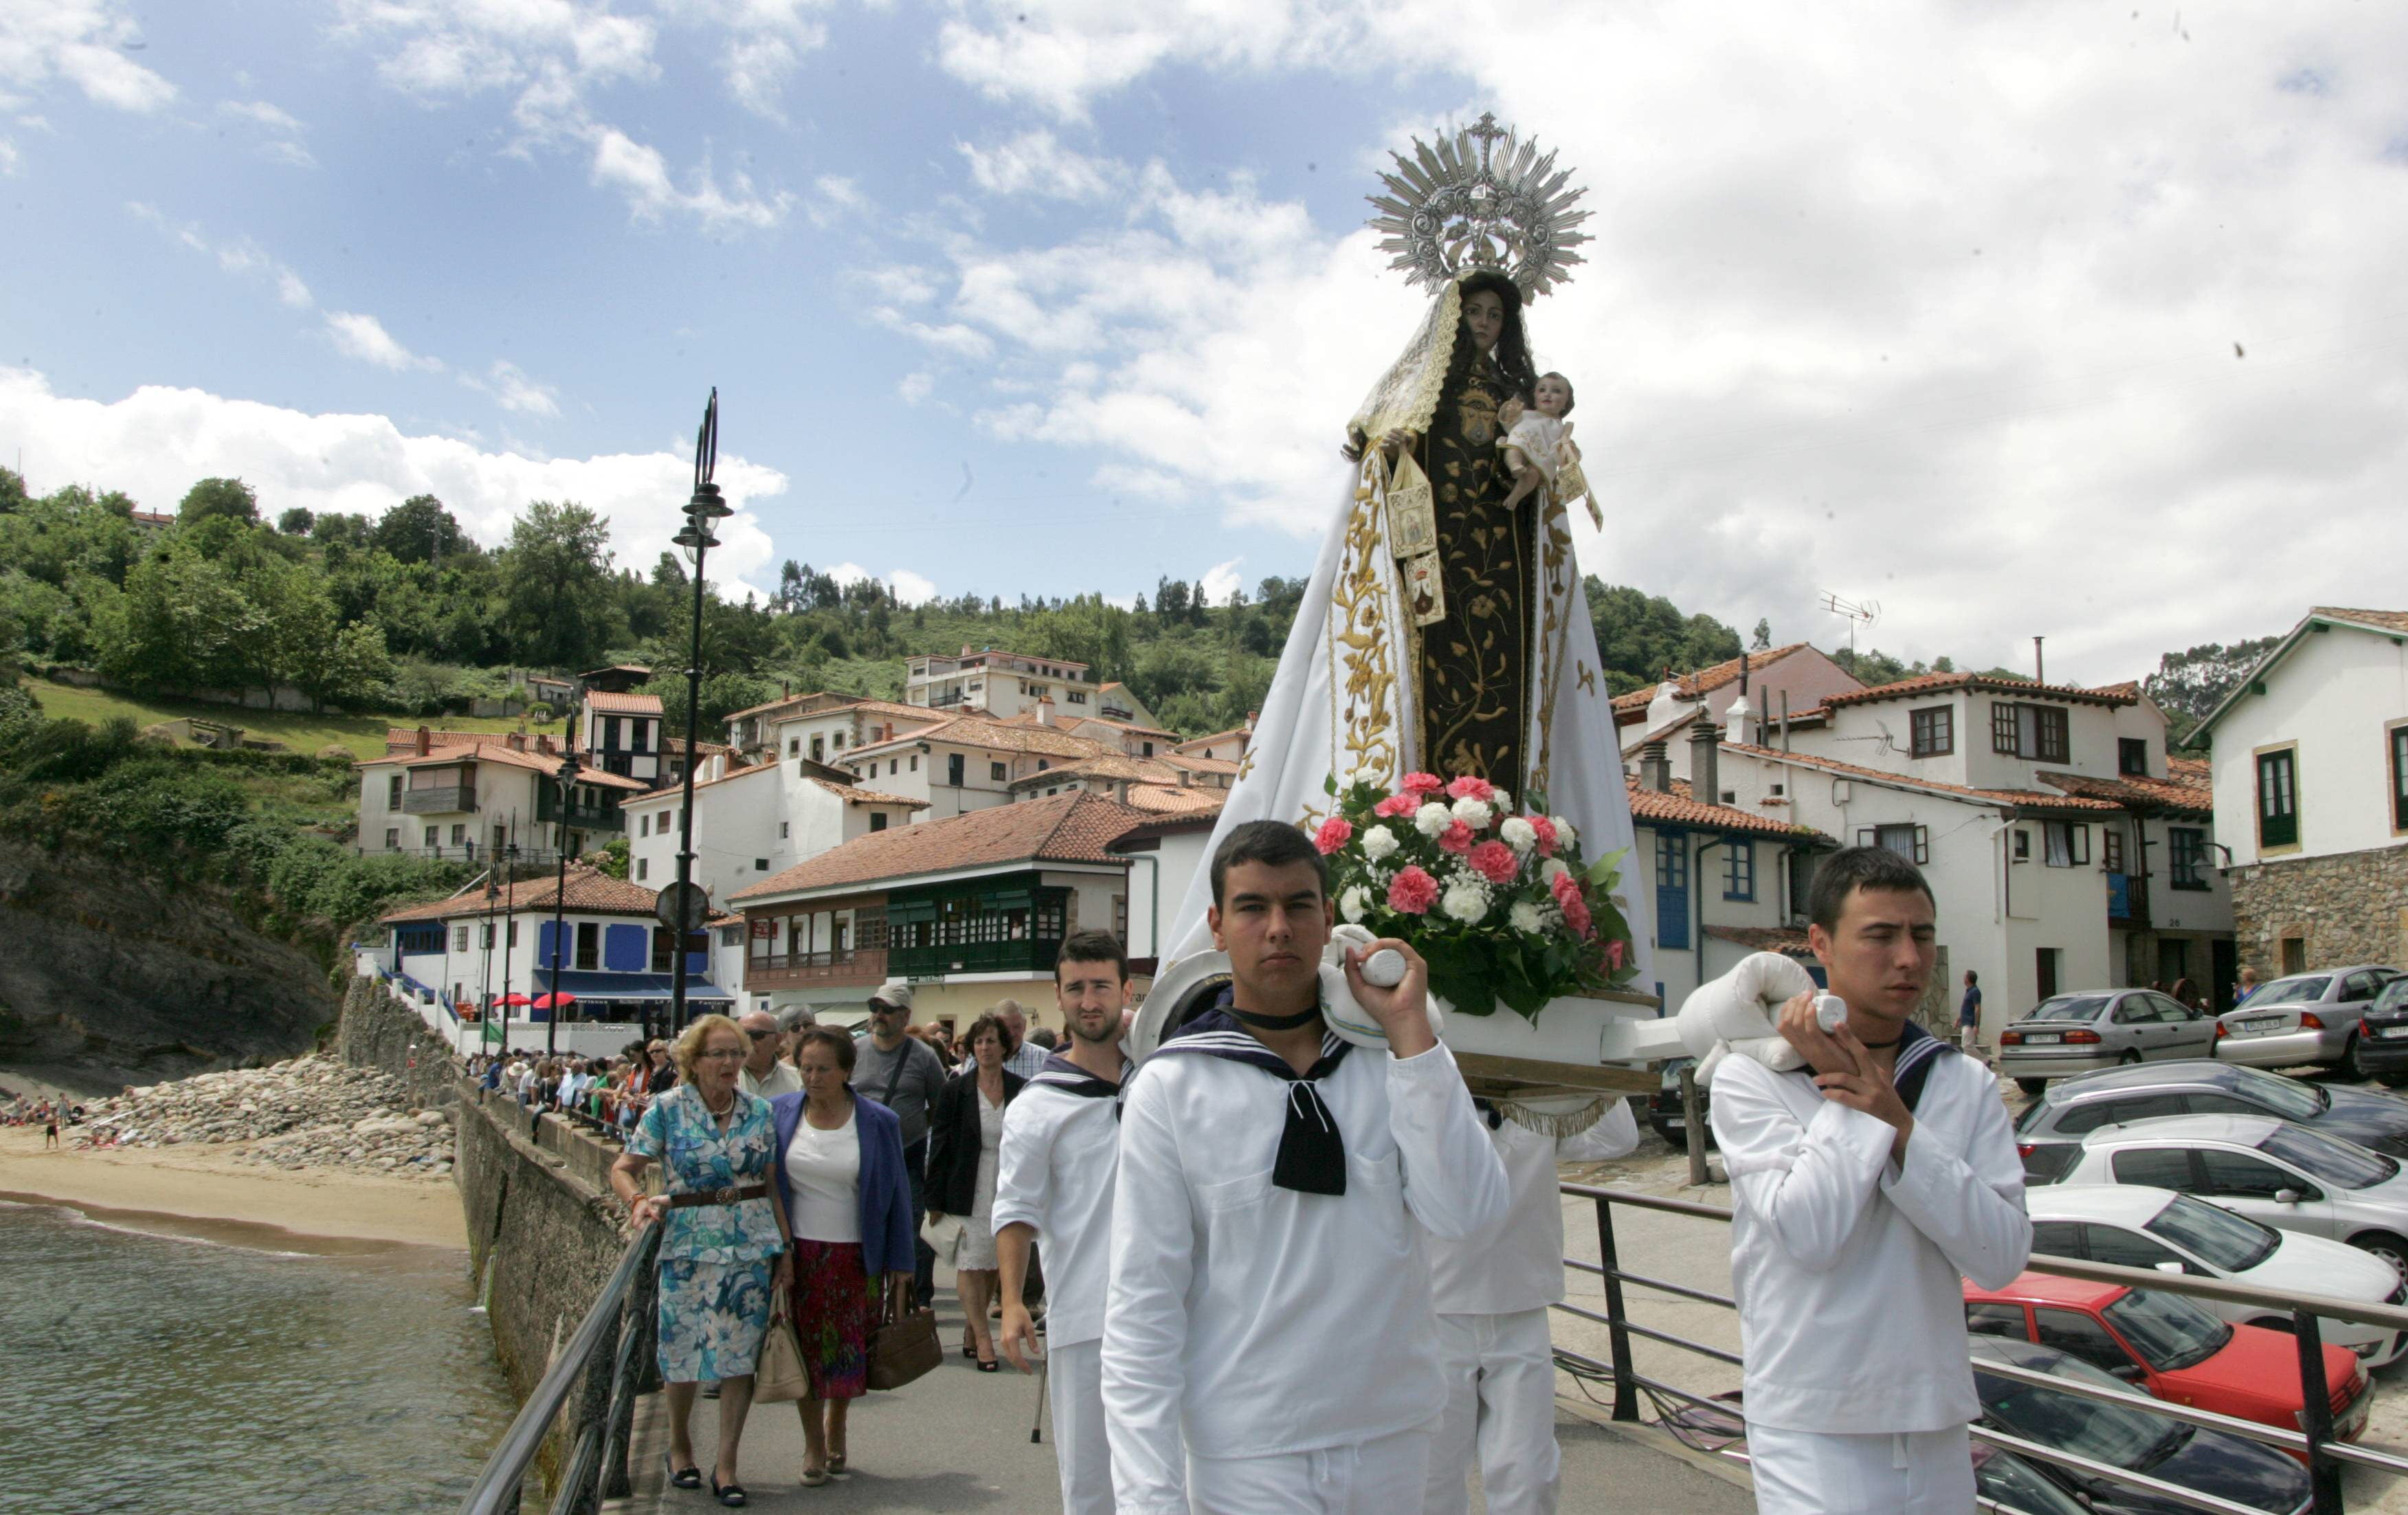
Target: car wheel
[
  {"x": 2283, "y": 1323},
  {"x": 2131, "y": 1057},
  {"x": 2382, "y": 1243},
  {"x": 2349, "y": 1060},
  {"x": 2032, "y": 1087}
]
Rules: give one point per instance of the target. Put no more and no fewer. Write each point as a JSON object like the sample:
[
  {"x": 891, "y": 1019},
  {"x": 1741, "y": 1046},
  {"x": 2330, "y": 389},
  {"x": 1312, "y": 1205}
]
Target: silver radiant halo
[{"x": 1480, "y": 199}]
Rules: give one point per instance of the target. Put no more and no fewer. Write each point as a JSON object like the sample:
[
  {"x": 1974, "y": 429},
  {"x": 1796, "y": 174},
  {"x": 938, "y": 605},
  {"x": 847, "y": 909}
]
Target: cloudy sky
[{"x": 2070, "y": 320}]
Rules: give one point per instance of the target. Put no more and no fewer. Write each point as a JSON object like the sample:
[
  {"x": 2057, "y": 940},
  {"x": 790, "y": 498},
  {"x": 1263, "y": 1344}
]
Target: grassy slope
[{"x": 302, "y": 732}]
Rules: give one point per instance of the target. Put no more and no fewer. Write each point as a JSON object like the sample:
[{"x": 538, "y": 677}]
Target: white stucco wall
[{"x": 2333, "y": 696}]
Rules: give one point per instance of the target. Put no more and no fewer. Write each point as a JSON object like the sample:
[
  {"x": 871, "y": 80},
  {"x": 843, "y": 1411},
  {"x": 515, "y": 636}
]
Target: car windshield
[
  {"x": 2018, "y": 1486},
  {"x": 2171, "y": 1334},
  {"x": 2338, "y": 1163},
  {"x": 2111, "y": 1433},
  {"x": 2285, "y": 1097},
  {"x": 2285, "y": 990},
  {"x": 2225, "y": 1241},
  {"x": 2069, "y": 1008}
]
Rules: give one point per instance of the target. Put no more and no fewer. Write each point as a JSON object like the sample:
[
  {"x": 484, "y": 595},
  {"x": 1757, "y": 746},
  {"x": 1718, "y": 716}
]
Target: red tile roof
[
  {"x": 588, "y": 891},
  {"x": 1070, "y": 827},
  {"x": 677, "y": 790},
  {"x": 1983, "y": 682},
  {"x": 2184, "y": 793},
  {"x": 1000, "y": 736},
  {"x": 623, "y": 704},
  {"x": 151, "y": 518},
  {"x": 1790, "y": 941},
  {"x": 1106, "y": 720},
  {"x": 869, "y": 797},
  {"x": 1176, "y": 800},
  {"x": 1680, "y": 806},
  {"x": 1243, "y": 734},
  {"x": 2387, "y": 620},
  {"x": 1106, "y": 766},
  {"x": 1704, "y": 681},
  {"x": 546, "y": 764},
  {"x": 2021, "y": 799},
  {"x": 1193, "y": 764}
]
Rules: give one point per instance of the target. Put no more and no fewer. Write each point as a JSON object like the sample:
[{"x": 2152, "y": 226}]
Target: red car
[{"x": 2172, "y": 1349}]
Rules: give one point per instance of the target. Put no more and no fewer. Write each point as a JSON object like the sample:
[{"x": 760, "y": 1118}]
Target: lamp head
[
  {"x": 707, "y": 505},
  {"x": 693, "y": 540}
]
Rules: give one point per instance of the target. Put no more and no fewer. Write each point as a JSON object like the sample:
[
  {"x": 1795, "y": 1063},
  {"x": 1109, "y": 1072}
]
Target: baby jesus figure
[{"x": 1540, "y": 448}]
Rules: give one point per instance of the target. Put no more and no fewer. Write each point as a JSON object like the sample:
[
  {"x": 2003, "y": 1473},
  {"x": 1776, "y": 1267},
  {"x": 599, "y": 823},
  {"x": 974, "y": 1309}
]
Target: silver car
[
  {"x": 2089, "y": 1030},
  {"x": 2271, "y": 1171},
  {"x": 2307, "y": 1017}
]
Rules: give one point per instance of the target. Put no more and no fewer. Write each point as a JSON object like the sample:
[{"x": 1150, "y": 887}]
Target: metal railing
[
  {"x": 2314, "y": 1442},
  {"x": 618, "y": 1326}
]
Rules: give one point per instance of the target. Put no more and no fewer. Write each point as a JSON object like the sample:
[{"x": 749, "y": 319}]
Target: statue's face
[
  {"x": 1485, "y": 313},
  {"x": 1552, "y": 397}
]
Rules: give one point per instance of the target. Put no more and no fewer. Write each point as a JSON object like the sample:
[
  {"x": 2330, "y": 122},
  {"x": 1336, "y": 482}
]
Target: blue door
[{"x": 1673, "y": 890}]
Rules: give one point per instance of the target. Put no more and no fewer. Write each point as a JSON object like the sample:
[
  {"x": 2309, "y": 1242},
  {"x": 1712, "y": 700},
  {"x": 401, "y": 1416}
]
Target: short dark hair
[
  {"x": 1570, "y": 393},
  {"x": 829, "y": 1037},
  {"x": 1274, "y": 843},
  {"x": 1092, "y": 947},
  {"x": 1850, "y": 868},
  {"x": 984, "y": 1024}
]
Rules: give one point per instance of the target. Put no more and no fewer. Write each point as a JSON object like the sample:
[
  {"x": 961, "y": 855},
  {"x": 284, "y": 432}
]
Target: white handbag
[{"x": 942, "y": 1233}]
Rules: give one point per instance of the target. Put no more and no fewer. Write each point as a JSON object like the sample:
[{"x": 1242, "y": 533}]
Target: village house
[
  {"x": 466, "y": 795},
  {"x": 1165, "y": 855},
  {"x": 967, "y": 762},
  {"x": 1003, "y": 683},
  {"x": 753, "y": 821},
  {"x": 623, "y": 733},
  {"x": 1221, "y": 746},
  {"x": 2310, "y": 771},
  {"x": 1796, "y": 678}
]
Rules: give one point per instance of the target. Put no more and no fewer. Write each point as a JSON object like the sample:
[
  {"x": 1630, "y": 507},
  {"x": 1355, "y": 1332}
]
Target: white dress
[
  {"x": 976, "y": 1249},
  {"x": 1541, "y": 437}
]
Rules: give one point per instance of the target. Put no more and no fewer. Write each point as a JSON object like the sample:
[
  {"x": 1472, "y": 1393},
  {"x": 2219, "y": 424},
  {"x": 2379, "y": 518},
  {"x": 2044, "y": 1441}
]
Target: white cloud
[
  {"x": 1061, "y": 55},
  {"x": 915, "y": 387},
  {"x": 1035, "y": 163},
  {"x": 261, "y": 113},
  {"x": 154, "y": 442},
  {"x": 765, "y": 41},
  {"x": 512, "y": 390},
  {"x": 641, "y": 174},
  {"x": 239, "y": 256},
  {"x": 1221, "y": 580},
  {"x": 7, "y": 156},
  {"x": 363, "y": 337},
  {"x": 78, "y": 42},
  {"x": 907, "y": 587}
]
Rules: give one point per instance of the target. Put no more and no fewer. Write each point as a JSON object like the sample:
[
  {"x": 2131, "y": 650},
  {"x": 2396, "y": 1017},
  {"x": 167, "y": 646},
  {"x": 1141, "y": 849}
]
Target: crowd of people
[{"x": 49, "y": 1114}]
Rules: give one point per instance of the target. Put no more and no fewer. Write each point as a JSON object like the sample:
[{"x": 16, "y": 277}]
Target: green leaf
[
  {"x": 1329, "y": 784},
  {"x": 1601, "y": 871}
]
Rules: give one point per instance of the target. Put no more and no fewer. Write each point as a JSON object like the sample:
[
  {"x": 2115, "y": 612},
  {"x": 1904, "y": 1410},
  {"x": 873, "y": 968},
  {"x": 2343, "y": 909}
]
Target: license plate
[
  {"x": 2052, "y": 1038},
  {"x": 2269, "y": 1023},
  {"x": 2391, "y": 1030}
]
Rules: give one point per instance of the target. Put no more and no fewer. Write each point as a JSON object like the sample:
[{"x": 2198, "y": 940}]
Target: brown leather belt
[{"x": 719, "y": 1196}]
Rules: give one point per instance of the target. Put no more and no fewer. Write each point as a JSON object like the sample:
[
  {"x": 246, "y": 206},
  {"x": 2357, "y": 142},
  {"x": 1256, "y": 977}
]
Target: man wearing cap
[{"x": 903, "y": 1074}]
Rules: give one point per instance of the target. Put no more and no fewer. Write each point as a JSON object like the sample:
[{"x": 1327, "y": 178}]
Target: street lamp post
[
  {"x": 701, "y": 511},
  {"x": 560, "y": 888}
]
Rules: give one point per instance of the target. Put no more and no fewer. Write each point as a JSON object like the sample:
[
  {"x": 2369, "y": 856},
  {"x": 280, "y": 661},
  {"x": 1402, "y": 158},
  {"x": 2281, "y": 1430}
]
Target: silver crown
[{"x": 1468, "y": 202}]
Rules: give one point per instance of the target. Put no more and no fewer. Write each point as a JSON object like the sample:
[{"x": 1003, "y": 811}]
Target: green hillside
[{"x": 307, "y": 734}]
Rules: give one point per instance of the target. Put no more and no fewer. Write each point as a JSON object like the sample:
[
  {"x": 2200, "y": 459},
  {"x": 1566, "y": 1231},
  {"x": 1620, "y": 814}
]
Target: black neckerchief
[
  {"x": 1060, "y": 1073},
  {"x": 1312, "y": 1153},
  {"x": 1918, "y": 1050}
]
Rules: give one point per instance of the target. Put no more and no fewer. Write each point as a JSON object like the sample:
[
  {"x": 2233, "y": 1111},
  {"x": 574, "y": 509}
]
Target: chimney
[
  {"x": 543, "y": 743},
  {"x": 1705, "y": 766},
  {"x": 1654, "y": 768},
  {"x": 1044, "y": 712},
  {"x": 425, "y": 740},
  {"x": 517, "y": 742},
  {"x": 2040, "y": 668},
  {"x": 1785, "y": 720}
]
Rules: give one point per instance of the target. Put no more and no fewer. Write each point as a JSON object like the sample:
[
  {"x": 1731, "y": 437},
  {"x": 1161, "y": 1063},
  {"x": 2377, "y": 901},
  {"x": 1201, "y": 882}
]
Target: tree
[
  {"x": 556, "y": 585},
  {"x": 1640, "y": 635},
  {"x": 12, "y": 491},
  {"x": 1762, "y": 640},
  {"x": 419, "y": 531},
  {"x": 356, "y": 671},
  {"x": 219, "y": 496},
  {"x": 296, "y": 522},
  {"x": 2188, "y": 684}
]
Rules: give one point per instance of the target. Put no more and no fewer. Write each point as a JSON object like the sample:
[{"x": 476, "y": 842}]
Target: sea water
[{"x": 228, "y": 1369}]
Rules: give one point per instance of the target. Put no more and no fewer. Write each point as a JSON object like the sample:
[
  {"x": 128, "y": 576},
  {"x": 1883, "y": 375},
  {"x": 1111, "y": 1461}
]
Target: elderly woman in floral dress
[{"x": 726, "y": 1245}]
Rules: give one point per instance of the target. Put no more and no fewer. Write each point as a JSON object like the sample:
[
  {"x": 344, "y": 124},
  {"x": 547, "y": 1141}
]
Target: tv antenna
[{"x": 1859, "y": 613}]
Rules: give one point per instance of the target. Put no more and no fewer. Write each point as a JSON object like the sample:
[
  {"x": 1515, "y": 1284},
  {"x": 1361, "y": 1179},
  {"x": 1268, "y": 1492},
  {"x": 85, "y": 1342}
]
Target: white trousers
[
  {"x": 1500, "y": 1408},
  {"x": 1380, "y": 1477},
  {"x": 1830, "y": 1473},
  {"x": 1074, "y": 1389}
]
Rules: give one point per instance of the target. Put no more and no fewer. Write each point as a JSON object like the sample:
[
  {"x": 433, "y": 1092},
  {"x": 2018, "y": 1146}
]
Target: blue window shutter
[
  {"x": 627, "y": 949},
  {"x": 544, "y": 952}
]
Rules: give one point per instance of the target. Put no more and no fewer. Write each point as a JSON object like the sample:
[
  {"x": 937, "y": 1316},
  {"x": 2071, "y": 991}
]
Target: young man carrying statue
[
  {"x": 1269, "y": 1337},
  {"x": 1864, "y": 1185}
]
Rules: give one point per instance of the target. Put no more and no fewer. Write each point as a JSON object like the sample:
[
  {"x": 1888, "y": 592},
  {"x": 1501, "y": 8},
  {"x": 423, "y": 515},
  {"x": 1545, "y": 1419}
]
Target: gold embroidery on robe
[{"x": 1472, "y": 670}]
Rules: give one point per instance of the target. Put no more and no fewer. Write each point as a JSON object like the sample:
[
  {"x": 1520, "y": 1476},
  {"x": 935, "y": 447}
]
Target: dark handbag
[{"x": 903, "y": 1349}]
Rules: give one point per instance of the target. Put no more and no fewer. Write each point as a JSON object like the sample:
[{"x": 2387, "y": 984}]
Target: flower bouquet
[{"x": 1500, "y": 904}]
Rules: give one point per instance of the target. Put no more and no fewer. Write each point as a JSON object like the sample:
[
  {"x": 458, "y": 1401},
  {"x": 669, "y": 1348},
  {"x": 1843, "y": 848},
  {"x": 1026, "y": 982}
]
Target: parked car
[
  {"x": 2134, "y": 1227},
  {"x": 2127, "y": 1436},
  {"x": 2271, "y": 1171},
  {"x": 2383, "y": 1034},
  {"x": 2050, "y": 1129},
  {"x": 2016, "y": 1483},
  {"x": 2089, "y": 1030},
  {"x": 1664, "y": 1112},
  {"x": 2169, "y": 1347},
  {"x": 2307, "y": 1017}
]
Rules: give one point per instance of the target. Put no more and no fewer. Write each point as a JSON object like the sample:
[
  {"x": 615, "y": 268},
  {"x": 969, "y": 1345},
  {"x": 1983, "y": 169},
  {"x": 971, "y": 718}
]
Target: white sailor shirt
[
  {"x": 1246, "y": 1320},
  {"x": 1846, "y": 1265},
  {"x": 1519, "y": 1265},
  {"x": 1054, "y": 1172}
]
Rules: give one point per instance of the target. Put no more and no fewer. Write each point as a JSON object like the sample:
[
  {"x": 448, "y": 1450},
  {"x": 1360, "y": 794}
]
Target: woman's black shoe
[
  {"x": 729, "y": 1494},
  {"x": 990, "y": 1367},
  {"x": 688, "y": 1479}
]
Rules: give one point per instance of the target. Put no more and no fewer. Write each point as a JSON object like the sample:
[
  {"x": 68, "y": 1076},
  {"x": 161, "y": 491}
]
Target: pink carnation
[
  {"x": 1576, "y": 915},
  {"x": 1456, "y": 838},
  {"x": 1547, "y": 830},
  {"x": 1468, "y": 787},
  {"x": 1495, "y": 861},
  {"x": 1333, "y": 834},
  {"x": 1412, "y": 891},
  {"x": 1398, "y": 804},
  {"x": 1418, "y": 784},
  {"x": 1617, "y": 952}
]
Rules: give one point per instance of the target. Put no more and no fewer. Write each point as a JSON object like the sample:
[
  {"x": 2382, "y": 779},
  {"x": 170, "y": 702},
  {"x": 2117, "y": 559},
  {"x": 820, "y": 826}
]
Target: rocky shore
[{"x": 310, "y": 1112}]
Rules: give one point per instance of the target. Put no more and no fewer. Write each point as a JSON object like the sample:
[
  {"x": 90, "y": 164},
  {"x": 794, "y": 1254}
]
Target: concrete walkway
[{"x": 959, "y": 1440}]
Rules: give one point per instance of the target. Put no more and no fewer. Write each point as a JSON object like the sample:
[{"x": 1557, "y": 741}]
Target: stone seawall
[
  {"x": 2344, "y": 908},
  {"x": 378, "y": 1031}
]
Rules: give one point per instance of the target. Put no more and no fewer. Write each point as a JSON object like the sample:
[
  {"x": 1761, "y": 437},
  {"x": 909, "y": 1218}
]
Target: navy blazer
[{"x": 888, "y": 1227}]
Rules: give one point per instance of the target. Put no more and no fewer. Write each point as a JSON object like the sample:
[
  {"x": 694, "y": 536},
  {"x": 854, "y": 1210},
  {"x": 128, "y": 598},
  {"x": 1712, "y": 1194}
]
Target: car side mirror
[
  {"x": 2128, "y": 1372},
  {"x": 2169, "y": 1267},
  {"x": 2287, "y": 1196}
]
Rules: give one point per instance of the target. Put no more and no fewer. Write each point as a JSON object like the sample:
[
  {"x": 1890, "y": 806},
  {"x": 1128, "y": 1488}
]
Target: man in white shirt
[
  {"x": 1865, "y": 1184},
  {"x": 1269, "y": 1340},
  {"x": 1492, "y": 1293},
  {"x": 1054, "y": 1180},
  {"x": 765, "y": 1073}
]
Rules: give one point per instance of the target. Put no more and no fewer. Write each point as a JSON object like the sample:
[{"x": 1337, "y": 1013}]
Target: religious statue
[{"x": 1444, "y": 630}]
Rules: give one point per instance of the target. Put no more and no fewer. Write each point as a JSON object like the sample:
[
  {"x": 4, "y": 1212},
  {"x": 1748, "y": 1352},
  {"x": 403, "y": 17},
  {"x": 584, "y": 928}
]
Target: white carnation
[
  {"x": 1549, "y": 871},
  {"x": 1527, "y": 918},
  {"x": 1503, "y": 801},
  {"x": 1564, "y": 835},
  {"x": 1379, "y": 843},
  {"x": 1473, "y": 813},
  {"x": 1466, "y": 902},
  {"x": 1432, "y": 819},
  {"x": 1357, "y": 903},
  {"x": 1518, "y": 834}
]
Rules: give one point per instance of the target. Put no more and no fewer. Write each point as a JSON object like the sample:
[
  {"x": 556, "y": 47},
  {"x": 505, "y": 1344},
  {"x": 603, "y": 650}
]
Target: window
[
  {"x": 838, "y": 739},
  {"x": 1912, "y": 842},
  {"x": 609, "y": 733},
  {"x": 459, "y": 938},
  {"x": 2110, "y": 848},
  {"x": 2236, "y": 1177},
  {"x": 1149, "y": 749},
  {"x": 955, "y": 764},
  {"x": 392, "y": 792},
  {"x": 2039, "y": 732},
  {"x": 1738, "y": 869},
  {"x": 1673, "y": 890},
  {"x": 1933, "y": 731},
  {"x": 432, "y": 834},
  {"x": 2053, "y": 1238},
  {"x": 2067, "y": 844},
  {"x": 2153, "y": 1167},
  {"x": 643, "y": 869},
  {"x": 644, "y": 735},
  {"x": 589, "y": 944},
  {"x": 2023, "y": 845},
  {"x": 760, "y": 865},
  {"x": 644, "y": 823},
  {"x": 510, "y": 938},
  {"x": 1997, "y": 1319},
  {"x": 997, "y": 773},
  {"x": 2132, "y": 755},
  {"x": 915, "y": 762},
  {"x": 488, "y": 941},
  {"x": 2078, "y": 1335},
  {"x": 2278, "y": 798},
  {"x": 785, "y": 830},
  {"x": 392, "y": 839},
  {"x": 1076, "y": 698},
  {"x": 2097, "y": 1113},
  {"x": 2400, "y": 778},
  {"x": 877, "y": 821},
  {"x": 2187, "y": 857}
]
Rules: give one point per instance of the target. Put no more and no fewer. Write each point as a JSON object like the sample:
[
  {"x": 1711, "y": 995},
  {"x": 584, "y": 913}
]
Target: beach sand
[{"x": 205, "y": 1184}]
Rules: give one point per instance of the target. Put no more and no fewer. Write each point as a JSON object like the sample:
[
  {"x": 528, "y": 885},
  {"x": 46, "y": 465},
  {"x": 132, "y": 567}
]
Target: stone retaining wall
[
  {"x": 2347, "y": 907},
  {"x": 379, "y": 1030}
]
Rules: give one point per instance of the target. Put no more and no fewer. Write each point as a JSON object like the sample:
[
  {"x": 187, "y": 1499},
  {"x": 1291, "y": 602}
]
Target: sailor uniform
[
  {"x": 1846, "y": 1266},
  {"x": 1495, "y": 1346},
  {"x": 1061, "y": 1147},
  {"x": 1268, "y": 1342}
]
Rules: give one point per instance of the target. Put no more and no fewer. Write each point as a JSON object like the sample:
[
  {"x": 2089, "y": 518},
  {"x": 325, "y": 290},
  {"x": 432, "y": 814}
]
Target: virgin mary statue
[{"x": 1443, "y": 630}]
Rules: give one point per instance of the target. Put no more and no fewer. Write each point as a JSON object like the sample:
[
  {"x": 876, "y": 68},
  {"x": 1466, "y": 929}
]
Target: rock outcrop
[{"x": 312, "y": 1112}]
